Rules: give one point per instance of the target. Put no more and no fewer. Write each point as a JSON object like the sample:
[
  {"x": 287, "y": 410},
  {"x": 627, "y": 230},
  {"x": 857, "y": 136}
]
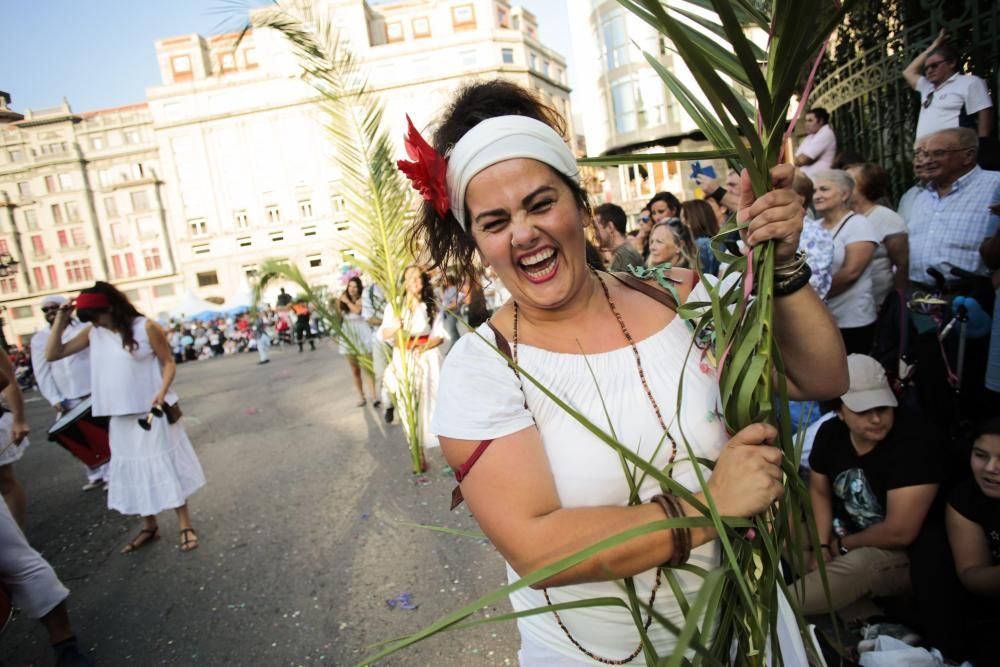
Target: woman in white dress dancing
[
  {"x": 132, "y": 369},
  {"x": 356, "y": 330}
]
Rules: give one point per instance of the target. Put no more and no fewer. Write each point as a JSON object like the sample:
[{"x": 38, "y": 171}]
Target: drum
[{"x": 83, "y": 435}]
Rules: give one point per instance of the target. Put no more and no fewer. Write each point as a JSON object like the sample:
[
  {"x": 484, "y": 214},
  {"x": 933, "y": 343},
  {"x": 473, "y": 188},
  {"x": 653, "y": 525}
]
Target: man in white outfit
[{"x": 66, "y": 382}]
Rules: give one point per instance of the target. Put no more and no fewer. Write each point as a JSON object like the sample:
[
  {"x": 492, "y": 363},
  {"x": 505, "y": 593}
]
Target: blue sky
[{"x": 100, "y": 53}]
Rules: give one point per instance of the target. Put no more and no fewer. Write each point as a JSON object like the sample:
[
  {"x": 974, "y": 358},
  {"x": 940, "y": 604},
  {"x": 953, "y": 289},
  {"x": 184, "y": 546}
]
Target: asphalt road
[{"x": 303, "y": 527}]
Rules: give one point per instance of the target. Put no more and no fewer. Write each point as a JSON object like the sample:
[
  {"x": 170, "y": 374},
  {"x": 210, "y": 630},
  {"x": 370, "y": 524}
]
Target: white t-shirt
[
  {"x": 885, "y": 222},
  {"x": 962, "y": 92},
  {"x": 479, "y": 397},
  {"x": 856, "y": 306},
  {"x": 822, "y": 146}
]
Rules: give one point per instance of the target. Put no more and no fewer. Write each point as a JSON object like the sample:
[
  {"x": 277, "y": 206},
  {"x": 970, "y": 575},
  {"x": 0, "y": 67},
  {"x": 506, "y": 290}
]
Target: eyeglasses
[
  {"x": 939, "y": 153},
  {"x": 934, "y": 65},
  {"x": 50, "y": 309}
]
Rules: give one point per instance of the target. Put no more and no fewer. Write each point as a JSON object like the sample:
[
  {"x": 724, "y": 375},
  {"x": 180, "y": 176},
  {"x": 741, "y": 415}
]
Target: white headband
[
  {"x": 504, "y": 138},
  {"x": 54, "y": 299}
]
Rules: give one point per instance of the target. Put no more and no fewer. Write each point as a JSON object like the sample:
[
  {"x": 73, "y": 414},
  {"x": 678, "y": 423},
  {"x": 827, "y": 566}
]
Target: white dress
[
  {"x": 14, "y": 452},
  {"x": 153, "y": 470},
  {"x": 360, "y": 333},
  {"x": 481, "y": 398},
  {"x": 424, "y": 371}
]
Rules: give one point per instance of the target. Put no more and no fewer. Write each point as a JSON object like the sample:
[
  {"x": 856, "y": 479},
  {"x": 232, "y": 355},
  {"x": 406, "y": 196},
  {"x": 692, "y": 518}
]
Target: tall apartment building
[
  {"x": 81, "y": 200},
  {"x": 243, "y": 142},
  {"x": 625, "y": 106},
  {"x": 228, "y": 162}
]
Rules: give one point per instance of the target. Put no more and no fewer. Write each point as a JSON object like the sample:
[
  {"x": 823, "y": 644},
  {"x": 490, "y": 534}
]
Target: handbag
[{"x": 173, "y": 412}]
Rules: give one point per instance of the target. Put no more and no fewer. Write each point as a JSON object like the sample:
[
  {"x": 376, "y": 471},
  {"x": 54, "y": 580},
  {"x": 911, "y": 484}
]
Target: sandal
[
  {"x": 188, "y": 542},
  {"x": 145, "y": 536},
  {"x": 361, "y": 403}
]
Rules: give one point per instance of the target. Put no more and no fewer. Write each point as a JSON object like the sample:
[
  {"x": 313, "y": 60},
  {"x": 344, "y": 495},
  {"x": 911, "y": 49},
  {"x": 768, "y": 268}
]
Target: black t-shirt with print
[
  {"x": 969, "y": 500},
  {"x": 906, "y": 457}
]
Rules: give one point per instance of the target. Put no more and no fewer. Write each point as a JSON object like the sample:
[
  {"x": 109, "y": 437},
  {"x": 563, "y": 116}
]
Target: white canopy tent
[
  {"x": 242, "y": 299},
  {"x": 191, "y": 304}
]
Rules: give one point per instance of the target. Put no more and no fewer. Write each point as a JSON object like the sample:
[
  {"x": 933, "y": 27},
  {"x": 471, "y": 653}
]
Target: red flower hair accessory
[{"x": 427, "y": 172}]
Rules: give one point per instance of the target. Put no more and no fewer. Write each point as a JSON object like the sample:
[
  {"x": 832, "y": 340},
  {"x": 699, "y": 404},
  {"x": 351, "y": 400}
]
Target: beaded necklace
[{"x": 673, "y": 455}]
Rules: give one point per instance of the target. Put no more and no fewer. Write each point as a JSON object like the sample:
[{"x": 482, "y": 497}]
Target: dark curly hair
[
  {"x": 444, "y": 240},
  {"x": 347, "y": 292},
  {"x": 668, "y": 198},
  {"x": 122, "y": 312},
  {"x": 426, "y": 292}
]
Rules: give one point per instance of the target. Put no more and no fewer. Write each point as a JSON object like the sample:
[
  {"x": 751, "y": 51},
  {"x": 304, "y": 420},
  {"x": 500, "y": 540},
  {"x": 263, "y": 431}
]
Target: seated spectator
[
  {"x": 671, "y": 244},
  {"x": 815, "y": 240},
  {"x": 905, "y": 207},
  {"x": 890, "y": 265},
  {"x": 850, "y": 296},
  {"x": 874, "y": 477},
  {"x": 698, "y": 217}
]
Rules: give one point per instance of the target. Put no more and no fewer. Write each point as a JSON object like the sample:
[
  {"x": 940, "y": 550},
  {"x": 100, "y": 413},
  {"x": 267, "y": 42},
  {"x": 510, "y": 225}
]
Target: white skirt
[
  {"x": 14, "y": 452},
  {"x": 357, "y": 330},
  {"x": 153, "y": 470}
]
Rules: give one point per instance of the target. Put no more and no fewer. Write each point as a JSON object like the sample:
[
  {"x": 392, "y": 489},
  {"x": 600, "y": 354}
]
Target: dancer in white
[
  {"x": 66, "y": 382},
  {"x": 356, "y": 338},
  {"x": 132, "y": 369}
]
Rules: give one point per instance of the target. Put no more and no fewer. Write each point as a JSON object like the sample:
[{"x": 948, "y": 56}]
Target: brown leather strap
[
  {"x": 501, "y": 341},
  {"x": 650, "y": 290}
]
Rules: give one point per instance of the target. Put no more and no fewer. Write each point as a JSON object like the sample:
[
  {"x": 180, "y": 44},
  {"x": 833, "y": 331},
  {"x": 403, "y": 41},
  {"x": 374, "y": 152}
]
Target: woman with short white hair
[{"x": 850, "y": 297}]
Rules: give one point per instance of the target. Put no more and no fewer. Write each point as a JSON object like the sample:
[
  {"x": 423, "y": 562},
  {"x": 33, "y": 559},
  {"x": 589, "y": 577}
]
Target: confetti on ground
[
  {"x": 250, "y": 412},
  {"x": 447, "y": 471},
  {"x": 421, "y": 480},
  {"x": 404, "y": 601}
]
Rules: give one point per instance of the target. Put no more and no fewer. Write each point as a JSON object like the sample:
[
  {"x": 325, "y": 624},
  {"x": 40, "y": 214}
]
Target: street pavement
[{"x": 305, "y": 526}]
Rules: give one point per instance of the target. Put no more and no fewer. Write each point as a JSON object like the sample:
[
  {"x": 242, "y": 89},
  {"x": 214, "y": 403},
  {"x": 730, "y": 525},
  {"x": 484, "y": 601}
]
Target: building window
[
  {"x": 118, "y": 236},
  {"x": 508, "y": 56},
  {"x": 38, "y": 245},
  {"x": 4, "y": 248},
  {"x": 277, "y": 237},
  {"x": 337, "y": 204},
  {"x": 140, "y": 201},
  {"x": 250, "y": 58},
  {"x": 467, "y": 58},
  {"x": 463, "y": 17},
  {"x": 132, "y": 295},
  {"x": 198, "y": 227},
  {"x": 250, "y": 271},
  {"x": 342, "y": 226},
  {"x": 116, "y": 266},
  {"x": 242, "y": 221},
  {"x": 31, "y": 218},
  {"x": 161, "y": 291},
  {"x": 53, "y": 276},
  {"x": 615, "y": 42},
  {"x": 24, "y": 189},
  {"x": 421, "y": 27},
  {"x": 394, "y": 32},
  {"x": 305, "y": 209},
  {"x": 72, "y": 211},
  {"x": 15, "y": 154},
  {"x": 273, "y": 215},
  {"x": 533, "y": 59},
  {"x": 21, "y": 312},
  {"x": 63, "y": 238},
  {"x": 208, "y": 278},
  {"x": 503, "y": 17},
  {"x": 111, "y": 207},
  {"x": 9, "y": 286},
  {"x": 78, "y": 271},
  {"x": 227, "y": 61},
  {"x": 309, "y": 231},
  {"x": 151, "y": 256},
  {"x": 315, "y": 261},
  {"x": 57, "y": 214},
  {"x": 181, "y": 66},
  {"x": 66, "y": 182},
  {"x": 131, "y": 136},
  {"x": 79, "y": 238},
  {"x": 97, "y": 142},
  {"x": 39, "y": 277},
  {"x": 50, "y": 184},
  {"x": 147, "y": 227},
  {"x": 130, "y": 264},
  {"x": 244, "y": 241},
  {"x": 202, "y": 249}
]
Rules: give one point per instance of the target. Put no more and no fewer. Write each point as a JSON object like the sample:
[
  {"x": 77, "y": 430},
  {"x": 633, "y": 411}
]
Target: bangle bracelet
[
  {"x": 791, "y": 283},
  {"x": 794, "y": 265},
  {"x": 680, "y": 537}
]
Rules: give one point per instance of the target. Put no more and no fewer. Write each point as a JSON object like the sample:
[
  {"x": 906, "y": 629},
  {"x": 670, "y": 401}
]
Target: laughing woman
[
  {"x": 132, "y": 369},
  {"x": 543, "y": 487}
]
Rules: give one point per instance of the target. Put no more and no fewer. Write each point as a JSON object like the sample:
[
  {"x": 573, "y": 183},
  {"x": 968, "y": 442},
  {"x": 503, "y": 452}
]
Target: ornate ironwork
[{"x": 873, "y": 110}]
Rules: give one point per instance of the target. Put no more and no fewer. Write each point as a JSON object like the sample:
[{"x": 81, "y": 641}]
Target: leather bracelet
[
  {"x": 789, "y": 284},
  {"x": 680, "y": 537},
  {"x": 718, "y": 194}
]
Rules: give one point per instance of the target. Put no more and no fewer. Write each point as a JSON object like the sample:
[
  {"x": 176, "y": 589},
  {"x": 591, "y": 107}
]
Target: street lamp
[{"x": 8, "y": 265}]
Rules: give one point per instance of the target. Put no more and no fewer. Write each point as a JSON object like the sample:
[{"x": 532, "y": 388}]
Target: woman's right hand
[{"x": 747, "y": 475}]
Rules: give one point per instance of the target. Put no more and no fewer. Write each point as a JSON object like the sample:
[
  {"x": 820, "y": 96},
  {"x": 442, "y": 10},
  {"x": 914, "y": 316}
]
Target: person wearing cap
[
  {"x": 64, "y": 383},
  {"x": 874, "y": 475}
]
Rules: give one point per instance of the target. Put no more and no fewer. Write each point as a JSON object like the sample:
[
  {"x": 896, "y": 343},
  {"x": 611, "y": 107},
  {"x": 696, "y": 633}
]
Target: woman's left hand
[
  {"x": 775, "y": 216},
  {"x": 159, "y": 399}
]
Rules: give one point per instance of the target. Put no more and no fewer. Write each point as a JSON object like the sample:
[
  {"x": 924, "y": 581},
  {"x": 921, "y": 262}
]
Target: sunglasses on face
[{"x": 50, "y": 309}]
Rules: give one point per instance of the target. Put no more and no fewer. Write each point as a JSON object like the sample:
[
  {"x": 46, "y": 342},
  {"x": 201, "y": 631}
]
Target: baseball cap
[{"x": 869, "y": 386}]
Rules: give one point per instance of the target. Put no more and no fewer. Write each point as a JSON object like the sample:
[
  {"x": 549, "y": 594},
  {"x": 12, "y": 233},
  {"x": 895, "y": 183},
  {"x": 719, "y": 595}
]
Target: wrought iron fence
[{"x": 873, "y": 110}]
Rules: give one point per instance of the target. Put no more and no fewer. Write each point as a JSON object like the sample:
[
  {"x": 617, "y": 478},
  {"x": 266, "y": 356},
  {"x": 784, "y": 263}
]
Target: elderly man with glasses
[
  {"x": 948, "y": 99},
  {"x": 66, "y": 382}
]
